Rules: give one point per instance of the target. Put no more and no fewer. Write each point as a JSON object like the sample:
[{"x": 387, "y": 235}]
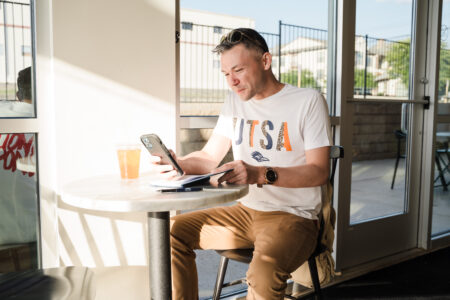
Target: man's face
[{"x": 244, "y": 70}]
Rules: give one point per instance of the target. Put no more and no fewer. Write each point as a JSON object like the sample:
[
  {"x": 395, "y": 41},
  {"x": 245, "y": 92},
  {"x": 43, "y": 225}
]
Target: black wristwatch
[{"x": 271, "y": 175}]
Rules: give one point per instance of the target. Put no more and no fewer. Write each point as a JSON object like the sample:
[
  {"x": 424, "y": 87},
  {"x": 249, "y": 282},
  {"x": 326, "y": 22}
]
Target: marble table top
[{"x": 111, "y": 193}]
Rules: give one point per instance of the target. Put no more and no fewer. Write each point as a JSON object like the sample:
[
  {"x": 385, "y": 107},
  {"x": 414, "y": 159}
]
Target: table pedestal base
[{"x": 159, "y": 255}]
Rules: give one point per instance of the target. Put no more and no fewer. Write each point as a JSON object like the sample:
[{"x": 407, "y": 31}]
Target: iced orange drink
[{"x": 129, "y": 157}]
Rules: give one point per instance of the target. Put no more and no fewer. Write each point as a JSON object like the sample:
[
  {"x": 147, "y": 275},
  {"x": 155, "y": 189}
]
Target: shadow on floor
[{"x": 425, "y": 277}]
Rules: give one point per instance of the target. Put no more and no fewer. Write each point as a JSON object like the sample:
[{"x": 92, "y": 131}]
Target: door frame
[{"x": 431, "y": 119}]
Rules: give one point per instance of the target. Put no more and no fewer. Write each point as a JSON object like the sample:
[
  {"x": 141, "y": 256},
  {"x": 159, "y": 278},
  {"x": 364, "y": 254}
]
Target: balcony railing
[{"x": 299, "y": 58}]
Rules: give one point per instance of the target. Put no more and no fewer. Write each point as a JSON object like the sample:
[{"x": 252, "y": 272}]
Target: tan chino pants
[{"x": 282, "y": 242}]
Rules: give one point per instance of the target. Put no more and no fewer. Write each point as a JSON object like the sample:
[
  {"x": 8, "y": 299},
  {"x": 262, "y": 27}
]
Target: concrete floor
[{"x": 372, "y": 197}]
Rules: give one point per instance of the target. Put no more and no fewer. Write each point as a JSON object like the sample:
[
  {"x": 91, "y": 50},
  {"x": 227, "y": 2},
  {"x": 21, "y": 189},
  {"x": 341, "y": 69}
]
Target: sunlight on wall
[
  {"x": 101, "y": 239},
  {"x": 132, "y": 238},
  {"x": 75, "y": 232},
  {"x": 95, "y": 114},
  {"x": 101, "y": 230},
  {"x": 49, "y": 226},
  {"x": 113, "y": 79},
  {"x": 64, "y": 256}
]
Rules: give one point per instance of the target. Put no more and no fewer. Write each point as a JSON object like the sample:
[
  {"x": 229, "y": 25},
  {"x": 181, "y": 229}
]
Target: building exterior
[{"x": 200, "y": 77}]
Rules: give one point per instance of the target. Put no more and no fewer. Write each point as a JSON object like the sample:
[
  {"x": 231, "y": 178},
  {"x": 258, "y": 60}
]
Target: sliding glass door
[{"x": 381, "y": 126}]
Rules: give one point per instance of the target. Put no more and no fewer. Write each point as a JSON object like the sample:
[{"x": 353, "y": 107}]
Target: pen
[{"x": 192, "y": 189}]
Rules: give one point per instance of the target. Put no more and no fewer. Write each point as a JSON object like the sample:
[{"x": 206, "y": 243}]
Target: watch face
[{"x": 271, "y": 175}]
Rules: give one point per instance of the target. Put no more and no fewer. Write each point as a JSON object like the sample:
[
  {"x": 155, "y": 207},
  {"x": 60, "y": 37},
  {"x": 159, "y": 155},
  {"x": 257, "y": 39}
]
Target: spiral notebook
[{"x": 187, "y": 180}]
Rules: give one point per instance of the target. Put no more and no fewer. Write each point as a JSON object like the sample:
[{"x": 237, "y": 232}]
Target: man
[
  {"x": 23, "y": 107},
  {"x": 280, "y": 137},
  {"x": 24, "y": 85}
]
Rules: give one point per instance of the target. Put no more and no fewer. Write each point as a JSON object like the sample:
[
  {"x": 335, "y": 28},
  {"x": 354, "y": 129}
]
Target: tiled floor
[{"x": 372, "y": 197}]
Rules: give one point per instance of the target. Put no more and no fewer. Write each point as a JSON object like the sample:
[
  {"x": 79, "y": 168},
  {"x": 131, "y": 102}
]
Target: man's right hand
[{"x": 165, "y": 171}]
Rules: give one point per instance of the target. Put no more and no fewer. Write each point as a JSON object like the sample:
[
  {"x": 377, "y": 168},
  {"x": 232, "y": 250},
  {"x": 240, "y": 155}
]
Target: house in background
[{"x": 201, "y": 79}]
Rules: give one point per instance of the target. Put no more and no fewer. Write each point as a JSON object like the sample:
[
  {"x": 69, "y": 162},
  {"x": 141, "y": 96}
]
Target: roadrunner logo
[{"x": 259, "y": 157}]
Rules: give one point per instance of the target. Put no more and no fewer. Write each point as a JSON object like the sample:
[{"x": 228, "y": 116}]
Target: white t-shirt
[
  {"x": 276, "y": 131},
  {"x": 9, "y": 109}
]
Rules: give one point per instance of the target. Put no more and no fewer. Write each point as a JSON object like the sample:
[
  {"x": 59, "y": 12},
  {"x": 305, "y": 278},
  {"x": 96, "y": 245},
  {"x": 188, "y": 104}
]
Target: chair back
[{"x": 336, "y": 152}]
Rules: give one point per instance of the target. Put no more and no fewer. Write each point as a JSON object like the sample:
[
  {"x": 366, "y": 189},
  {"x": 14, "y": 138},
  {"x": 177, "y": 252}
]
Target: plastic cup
[{"x": 129, "y": 157}]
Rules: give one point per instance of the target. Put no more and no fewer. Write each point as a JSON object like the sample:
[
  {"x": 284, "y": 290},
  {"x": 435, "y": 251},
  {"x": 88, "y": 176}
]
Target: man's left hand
[{"x": 242, "y": 173}]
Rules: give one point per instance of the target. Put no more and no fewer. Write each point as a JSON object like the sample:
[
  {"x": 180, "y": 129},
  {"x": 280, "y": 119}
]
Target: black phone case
[{"x": 156, "y": 147}]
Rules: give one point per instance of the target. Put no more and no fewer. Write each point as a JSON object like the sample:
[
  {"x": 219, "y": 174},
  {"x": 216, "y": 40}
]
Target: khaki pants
[{"x": 282, "y": 242}]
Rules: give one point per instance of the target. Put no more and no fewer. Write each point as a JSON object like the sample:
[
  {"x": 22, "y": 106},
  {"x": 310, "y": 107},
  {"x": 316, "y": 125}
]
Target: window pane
[
  {"x": 18, "y": 202},
  {"x": 379, "y": 164},
  {"x": 16, "y": 98},
  {"x": 382, "y": 48},
  {"x": 380, "y": 130}
]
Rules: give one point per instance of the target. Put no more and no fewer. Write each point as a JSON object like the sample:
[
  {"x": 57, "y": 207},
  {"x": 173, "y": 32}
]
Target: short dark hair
[
  {"x": 24, "y": 84},
  {"x": 250, "y": 38}
]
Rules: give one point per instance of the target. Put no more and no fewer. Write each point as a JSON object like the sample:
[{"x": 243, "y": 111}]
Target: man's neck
[{"x": 271, "y": 87}]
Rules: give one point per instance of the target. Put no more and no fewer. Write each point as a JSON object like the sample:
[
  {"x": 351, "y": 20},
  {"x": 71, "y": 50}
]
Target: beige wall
[
  {"x": 114, "y": 65},
  {"x": 111, "y": 76}
]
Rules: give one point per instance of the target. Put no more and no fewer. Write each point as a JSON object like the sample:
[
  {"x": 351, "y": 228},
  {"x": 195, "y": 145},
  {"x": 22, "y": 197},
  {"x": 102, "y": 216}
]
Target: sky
[{"x": 388, "y": 19}]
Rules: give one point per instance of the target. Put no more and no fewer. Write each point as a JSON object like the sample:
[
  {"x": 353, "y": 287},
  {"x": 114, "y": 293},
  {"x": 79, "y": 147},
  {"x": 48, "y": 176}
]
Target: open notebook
[{"x": 187, "y": 180}]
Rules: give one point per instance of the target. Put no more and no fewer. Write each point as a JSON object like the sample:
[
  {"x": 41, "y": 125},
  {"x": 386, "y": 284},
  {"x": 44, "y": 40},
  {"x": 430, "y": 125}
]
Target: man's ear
[{"x": 267, "y": 60}]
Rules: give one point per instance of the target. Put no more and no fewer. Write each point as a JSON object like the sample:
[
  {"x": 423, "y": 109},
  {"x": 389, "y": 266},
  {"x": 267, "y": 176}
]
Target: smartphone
[{"x": 156, "y": 147}]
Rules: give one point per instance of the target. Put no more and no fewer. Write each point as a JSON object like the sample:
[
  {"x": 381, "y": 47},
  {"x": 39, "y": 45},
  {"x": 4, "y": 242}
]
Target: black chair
[
  {"x": 443, "y": 166},
  {"x": 246, "y": 255},
  {"x": 400, "y": 135}
]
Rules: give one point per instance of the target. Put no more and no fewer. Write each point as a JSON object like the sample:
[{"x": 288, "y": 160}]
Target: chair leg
[
  {"x": 395, "y": 171},
  {"x": 441, "y": 173},
  {"x": 315, "y": 277},
  {"x": 220, "y": 277}
]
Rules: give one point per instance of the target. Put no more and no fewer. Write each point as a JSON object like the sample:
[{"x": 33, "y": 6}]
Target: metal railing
[
  {"x": 381, "y": 67},
  {"x": 201, "y": 79},
  {"x": 303, "y": 52},
  {"x": 15, "y": 45},
  {"x": 299, "y": 58}
]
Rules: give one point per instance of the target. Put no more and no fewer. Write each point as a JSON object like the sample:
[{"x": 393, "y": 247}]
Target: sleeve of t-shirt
[
  {"x": 224, "y": 124},
  {"x": 316, "y": 129}
]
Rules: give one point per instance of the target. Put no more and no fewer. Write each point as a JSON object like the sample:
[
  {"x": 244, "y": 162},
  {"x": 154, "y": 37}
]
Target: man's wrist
[{"x": 261, "y": 176}]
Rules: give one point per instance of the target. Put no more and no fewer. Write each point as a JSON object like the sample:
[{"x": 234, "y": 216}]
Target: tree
[
  {"x": 307, "y": 78},
  {"x": 359, "y": 80},
  {"x": 398, "y": 60}
]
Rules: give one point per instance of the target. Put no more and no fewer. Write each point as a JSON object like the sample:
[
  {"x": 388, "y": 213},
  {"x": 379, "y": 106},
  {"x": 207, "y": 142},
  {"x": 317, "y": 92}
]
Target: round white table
[{"x": 112, "y": 194}]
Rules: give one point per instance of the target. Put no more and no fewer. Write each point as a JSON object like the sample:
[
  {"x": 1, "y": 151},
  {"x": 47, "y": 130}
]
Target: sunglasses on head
[{"x": 236, "y": 36}]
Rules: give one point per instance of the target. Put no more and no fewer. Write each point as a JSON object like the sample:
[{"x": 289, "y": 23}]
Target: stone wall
[{"x": 373, "y": 135}]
